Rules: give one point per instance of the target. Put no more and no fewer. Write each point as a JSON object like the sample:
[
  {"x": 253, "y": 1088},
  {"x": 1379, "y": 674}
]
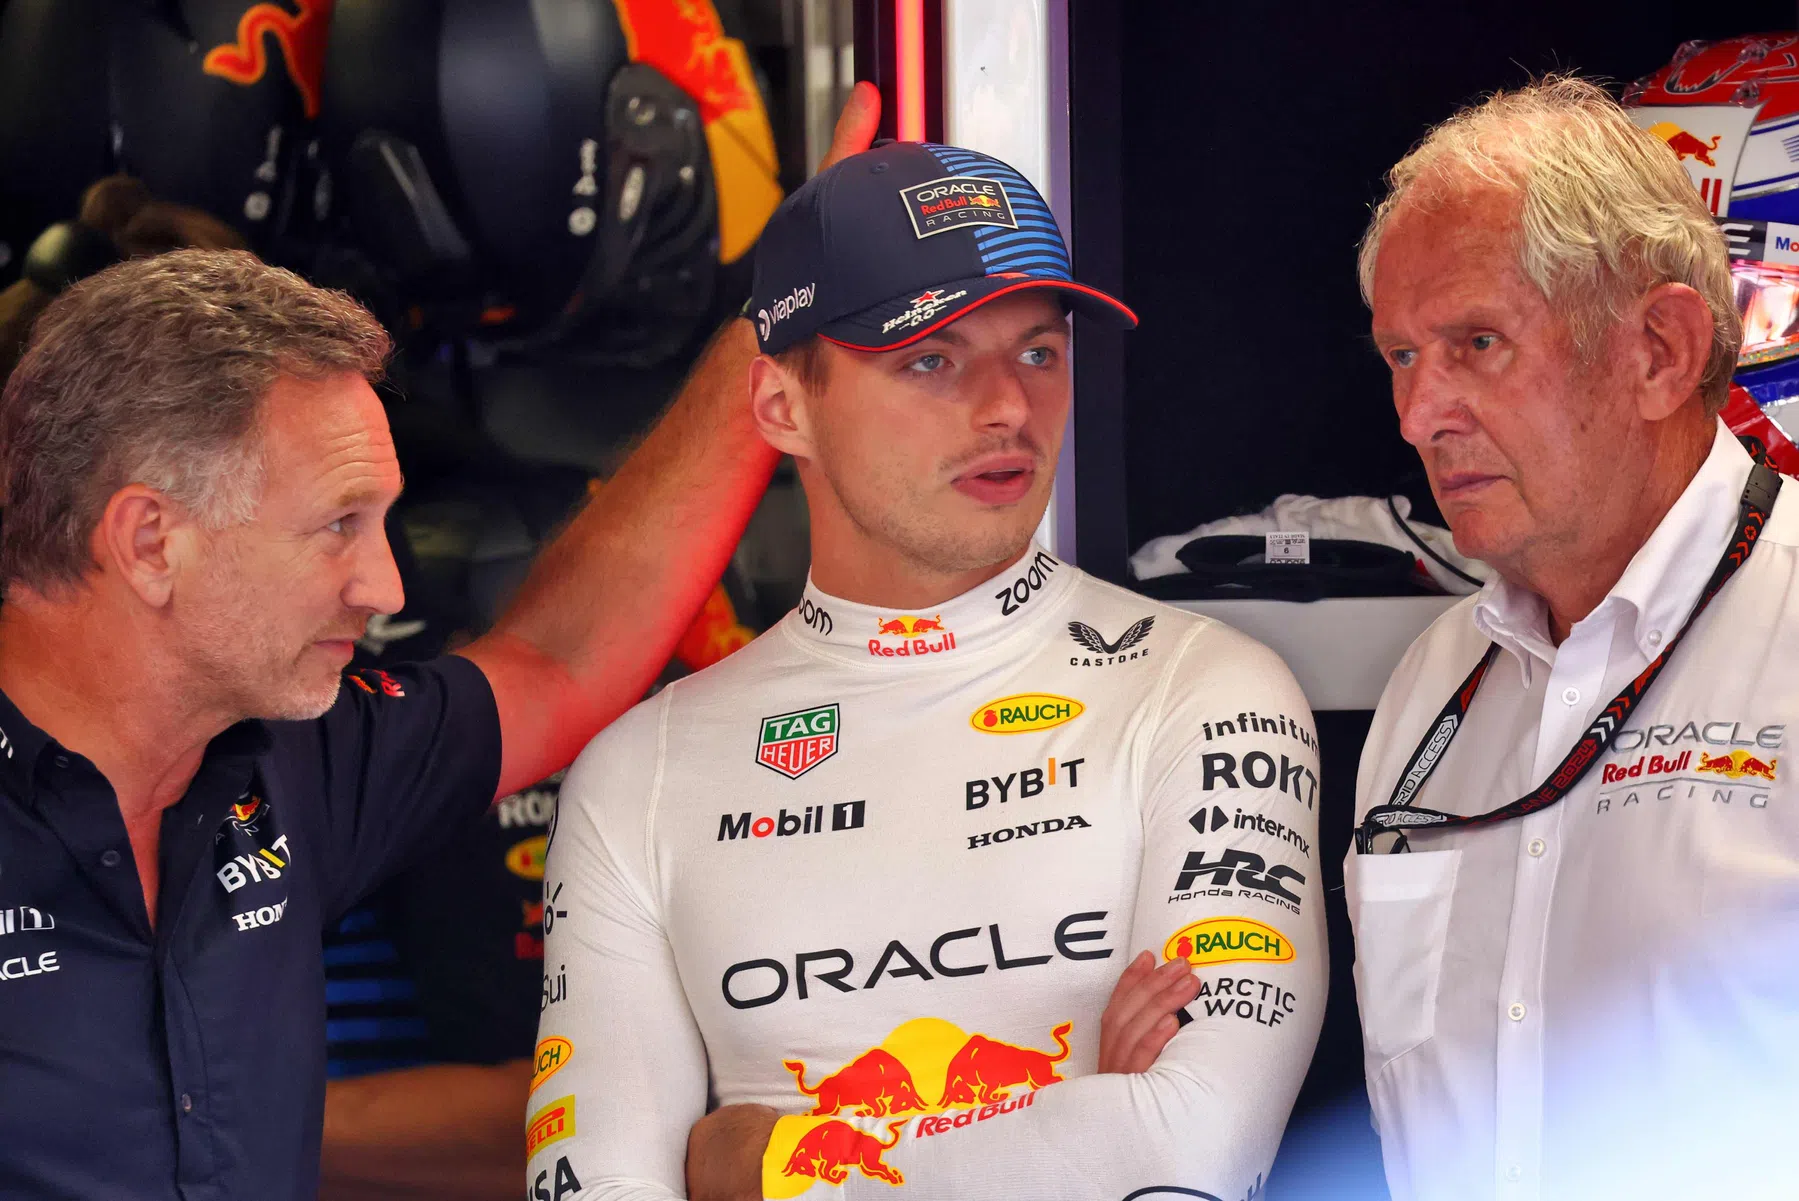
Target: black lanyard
[{"x": 1399, "y": 813}]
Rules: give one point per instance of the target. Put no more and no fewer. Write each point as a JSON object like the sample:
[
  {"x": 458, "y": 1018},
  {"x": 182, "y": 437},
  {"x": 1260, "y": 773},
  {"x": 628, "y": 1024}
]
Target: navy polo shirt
[{"x": 188, "y": 1061}]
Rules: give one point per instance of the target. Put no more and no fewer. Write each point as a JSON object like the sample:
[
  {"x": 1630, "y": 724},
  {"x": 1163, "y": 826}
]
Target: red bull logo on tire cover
[{"x": 930, "y": 1074}]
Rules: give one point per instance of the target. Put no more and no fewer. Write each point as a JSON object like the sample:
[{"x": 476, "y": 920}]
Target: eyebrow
[
  {"x": 949, "y": 335},
  {"x": 362, "y": 497}
]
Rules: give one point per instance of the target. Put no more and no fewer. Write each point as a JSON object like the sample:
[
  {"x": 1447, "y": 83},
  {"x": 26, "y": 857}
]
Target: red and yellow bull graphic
[
  {"x": 551, "y": 1124},
  {"x": 1737, "y": 765},
  {"x": 300, "y": 36},
  {"x": 908, "y": 628},
  {"x": 927, "y": 1067},
  {"x": 374, "y": 681},
  {"x": 1215, "y": 940},
  {"x": 685, "y": 40},
  {"x": 1685, "y": 145}
]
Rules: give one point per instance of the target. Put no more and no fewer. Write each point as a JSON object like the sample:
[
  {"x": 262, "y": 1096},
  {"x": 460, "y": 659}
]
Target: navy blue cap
[{"x": 896, "y": 242}]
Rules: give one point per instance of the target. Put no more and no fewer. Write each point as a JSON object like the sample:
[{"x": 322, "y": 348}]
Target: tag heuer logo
[{"x": 795, "y": 743}]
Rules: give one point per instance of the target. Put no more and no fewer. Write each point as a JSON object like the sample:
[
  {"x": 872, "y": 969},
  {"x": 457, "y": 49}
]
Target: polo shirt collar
[
  {"x": 1663, "y": 580},
  {"x": 23, "y": 744}
]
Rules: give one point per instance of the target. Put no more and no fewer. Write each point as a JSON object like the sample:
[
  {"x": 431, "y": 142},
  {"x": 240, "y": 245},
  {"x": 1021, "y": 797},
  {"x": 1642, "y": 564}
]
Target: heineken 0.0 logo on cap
[{"x": 795, "y": 743}]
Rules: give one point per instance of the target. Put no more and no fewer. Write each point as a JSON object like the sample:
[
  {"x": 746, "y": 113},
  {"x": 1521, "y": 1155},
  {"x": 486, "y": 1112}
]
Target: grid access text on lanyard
[{"x": 1399, "y": 814}]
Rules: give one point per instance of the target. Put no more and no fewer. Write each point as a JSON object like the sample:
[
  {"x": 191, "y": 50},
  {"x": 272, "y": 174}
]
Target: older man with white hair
[{"x": 1580, "y": 978}]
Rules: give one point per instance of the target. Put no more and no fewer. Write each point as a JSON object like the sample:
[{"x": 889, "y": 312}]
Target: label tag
[
  {"x": 955, "y": 201},
  {"x": 1287, "y": 546}
]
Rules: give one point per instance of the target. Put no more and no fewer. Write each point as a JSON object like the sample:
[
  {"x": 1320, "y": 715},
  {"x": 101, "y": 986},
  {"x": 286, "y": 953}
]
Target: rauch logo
[
  {"x": 1025, "y": 712},
  {"x": 1227, "y": 940}
]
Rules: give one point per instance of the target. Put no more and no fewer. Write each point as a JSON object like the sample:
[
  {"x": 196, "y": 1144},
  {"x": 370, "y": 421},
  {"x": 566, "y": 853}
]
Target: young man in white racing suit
[{"x": 867, "y": 890}]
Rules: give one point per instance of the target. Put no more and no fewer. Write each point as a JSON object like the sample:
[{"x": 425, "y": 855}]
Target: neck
[
  {"x": 76, "y": 672},
  {"x": 857, "y": 569},
  {"x": 1574, "y": 578}
]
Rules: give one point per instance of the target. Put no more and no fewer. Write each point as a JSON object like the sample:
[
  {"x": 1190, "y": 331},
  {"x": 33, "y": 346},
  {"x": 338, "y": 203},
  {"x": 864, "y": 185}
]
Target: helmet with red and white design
[{"x": 1729, "y": 110}]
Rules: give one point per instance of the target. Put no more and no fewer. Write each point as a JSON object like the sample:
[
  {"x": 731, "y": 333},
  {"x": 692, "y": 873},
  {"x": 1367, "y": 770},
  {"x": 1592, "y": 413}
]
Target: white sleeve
[
  {"x": 1209, "y": 1115},
  {"x": 621, "y": 1068}
]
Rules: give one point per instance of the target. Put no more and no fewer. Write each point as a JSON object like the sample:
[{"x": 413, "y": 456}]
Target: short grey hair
[
  {"x": 1605, "y": 210},
  {"x": 154, "y": 372}
]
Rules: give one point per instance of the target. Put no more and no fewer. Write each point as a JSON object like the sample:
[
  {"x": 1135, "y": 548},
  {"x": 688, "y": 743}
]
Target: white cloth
[
  {"x": 1600, "y": 999},
  {"x": 926, "y": 969},
  {"x": 1358, "y": 518}
]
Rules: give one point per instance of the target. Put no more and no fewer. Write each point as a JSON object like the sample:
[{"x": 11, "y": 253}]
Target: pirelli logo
[{"x": 552, "y": 1123}]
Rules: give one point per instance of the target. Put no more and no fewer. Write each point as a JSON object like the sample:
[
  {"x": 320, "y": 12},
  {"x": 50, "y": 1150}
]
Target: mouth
[
  {"x": 1463, "y": 485},
  {"x": 998, "y": 479},
  {"x": 344, "y": 647}
]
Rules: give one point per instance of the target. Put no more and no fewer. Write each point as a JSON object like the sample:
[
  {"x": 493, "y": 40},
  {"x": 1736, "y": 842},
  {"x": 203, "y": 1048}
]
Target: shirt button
[
  {"x": 187, "y": 1103},
  {"x": 1537, "y": 847},
  {"x": 109, "y": 859},
  {"x": 1516, "y": 1012},
  {"x": 62, "y": 761},
  {"x": 1514, "y": 1173},
  {"x": 1571, "y": 695},
  {"x": 1655, "y": 636}
]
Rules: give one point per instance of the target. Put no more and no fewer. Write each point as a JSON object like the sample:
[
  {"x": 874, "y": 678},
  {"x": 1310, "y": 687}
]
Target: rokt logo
[
  {"x": 792, "y": 744},
  {"x": 1025, "y": 712},
  {"x": 532, "y": 807},
  {"x": 1227, "y": 940},
  {"x": 845, "y": 815},
  {"x": 1259, "y": 770}
]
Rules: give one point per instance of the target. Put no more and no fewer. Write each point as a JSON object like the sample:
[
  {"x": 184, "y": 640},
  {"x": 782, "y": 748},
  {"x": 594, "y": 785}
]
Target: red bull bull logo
[
  {"x": 828, "y": 1152},
  {"x": 1737, "y": 765},
  {"x": 1685, "y": 145},
  {"x": 929, "y": 1067},
  {"x": 382, "y": 683},
  {"x": 908, "y": 627},
  {"x": 243, "y": 811},
  {"x": 300, "y": 36},
  {"x": 985, "y": 1068},
  {"x": 875, "y": 1083}
]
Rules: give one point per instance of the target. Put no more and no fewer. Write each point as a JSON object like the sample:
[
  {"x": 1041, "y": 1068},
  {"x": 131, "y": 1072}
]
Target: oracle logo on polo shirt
[{"x": 21, "y": 920}]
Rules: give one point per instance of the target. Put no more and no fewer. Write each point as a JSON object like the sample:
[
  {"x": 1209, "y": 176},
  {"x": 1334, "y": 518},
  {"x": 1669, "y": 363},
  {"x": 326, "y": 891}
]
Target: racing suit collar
[{"x": 895, "y": 638}]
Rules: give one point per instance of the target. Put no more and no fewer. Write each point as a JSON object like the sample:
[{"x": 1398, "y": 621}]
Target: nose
[
  {"x": 375, "y": 583},
  {"x": 1002, "y": 405},
  {"x": 1430, "y": 401}
]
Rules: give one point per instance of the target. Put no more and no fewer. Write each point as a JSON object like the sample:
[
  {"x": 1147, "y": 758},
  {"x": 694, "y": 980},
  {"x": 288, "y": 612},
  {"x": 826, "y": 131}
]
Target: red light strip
[{"x": 908, "y": 23}]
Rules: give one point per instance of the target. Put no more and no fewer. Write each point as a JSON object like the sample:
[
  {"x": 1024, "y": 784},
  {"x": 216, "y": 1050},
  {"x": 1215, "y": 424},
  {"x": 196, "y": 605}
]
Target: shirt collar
[
  {"x": 22, "y": 744},
  {"x": 1661, "y": 584},
  {"x": 897, "y": 638}
]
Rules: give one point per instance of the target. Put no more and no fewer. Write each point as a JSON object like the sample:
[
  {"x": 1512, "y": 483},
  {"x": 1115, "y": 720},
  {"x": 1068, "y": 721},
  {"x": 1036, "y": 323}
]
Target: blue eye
[
  {"x": 340, "y": 526},
  {"x": 925, "y": 364},
  {"x": 1403, "y": 358},
  {"x": 1484, "y": 341},
  {"x": 1037, "y": 356}
]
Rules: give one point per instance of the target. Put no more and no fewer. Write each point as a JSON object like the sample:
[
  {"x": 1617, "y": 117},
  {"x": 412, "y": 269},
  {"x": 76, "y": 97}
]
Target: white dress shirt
[{"x": 1600, "y": 999}]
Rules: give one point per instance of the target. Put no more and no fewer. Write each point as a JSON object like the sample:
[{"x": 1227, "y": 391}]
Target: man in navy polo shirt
[{"x": 194, "y": 471}]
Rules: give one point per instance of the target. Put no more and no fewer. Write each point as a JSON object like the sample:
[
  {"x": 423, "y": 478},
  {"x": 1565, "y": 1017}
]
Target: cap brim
[{"x": 904, "y": 320}]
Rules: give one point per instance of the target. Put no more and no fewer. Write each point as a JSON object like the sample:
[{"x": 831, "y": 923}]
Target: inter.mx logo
[{"x": 795, "y": 743}]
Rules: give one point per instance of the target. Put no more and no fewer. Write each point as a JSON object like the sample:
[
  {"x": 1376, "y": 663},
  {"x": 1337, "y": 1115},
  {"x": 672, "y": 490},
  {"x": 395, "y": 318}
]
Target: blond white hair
[{"x": 1605, "y": 210}]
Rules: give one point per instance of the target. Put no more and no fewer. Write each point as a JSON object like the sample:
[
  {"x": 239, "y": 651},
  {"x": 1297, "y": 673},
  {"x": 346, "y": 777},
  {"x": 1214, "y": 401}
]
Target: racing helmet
[
  {"x": 208, "y": 102},
  {"x": 1729, "y": 110},
  {"x": 545, "y": 174}
]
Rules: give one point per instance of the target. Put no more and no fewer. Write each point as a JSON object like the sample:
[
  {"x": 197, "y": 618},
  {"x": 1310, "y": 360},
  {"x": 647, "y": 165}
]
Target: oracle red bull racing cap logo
[
  {"x": 926, "y": 1067},
  {"x": 795, "y": 743},
  {"x": 956, "y": 201}
]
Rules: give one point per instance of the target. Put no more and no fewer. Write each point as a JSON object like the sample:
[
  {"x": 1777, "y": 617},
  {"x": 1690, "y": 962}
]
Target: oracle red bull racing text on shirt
[{"x": 821, "y": 876}]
